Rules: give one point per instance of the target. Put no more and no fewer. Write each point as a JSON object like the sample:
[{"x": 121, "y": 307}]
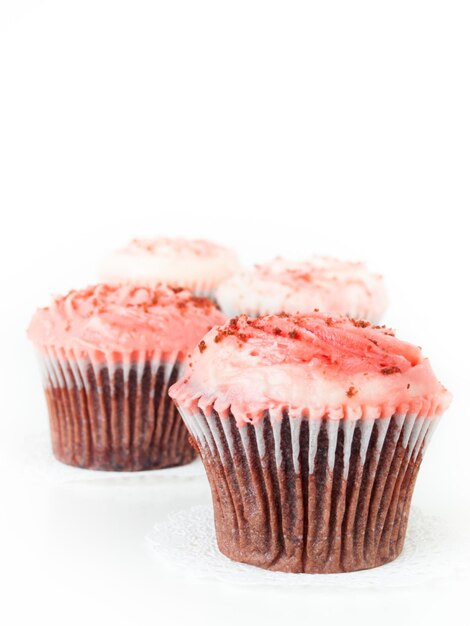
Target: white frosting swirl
[
  {"x": 323, "y": 283},
  {"x": 195, "y": 264}
]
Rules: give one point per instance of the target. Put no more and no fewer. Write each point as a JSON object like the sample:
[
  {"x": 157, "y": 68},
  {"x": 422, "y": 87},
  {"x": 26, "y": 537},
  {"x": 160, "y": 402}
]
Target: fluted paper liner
[
  {"x": 203, "y": 289},
  {"x": 114, "y": 413},
  {"x": 310, "y": 495}
]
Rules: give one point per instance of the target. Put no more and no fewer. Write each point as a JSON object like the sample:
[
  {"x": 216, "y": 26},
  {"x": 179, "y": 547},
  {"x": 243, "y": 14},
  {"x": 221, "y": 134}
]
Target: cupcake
[
  {"x": 312, "y": 430},
  {"x": 191, "y": 263},
  {"x": 322, "y": 283},
  {"x": 108, "y": 355}
]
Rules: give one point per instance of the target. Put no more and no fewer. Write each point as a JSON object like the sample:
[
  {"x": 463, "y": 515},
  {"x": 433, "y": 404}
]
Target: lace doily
[
  {"x": 186, "y": 540},
  {"x": 40, "y": 463}
]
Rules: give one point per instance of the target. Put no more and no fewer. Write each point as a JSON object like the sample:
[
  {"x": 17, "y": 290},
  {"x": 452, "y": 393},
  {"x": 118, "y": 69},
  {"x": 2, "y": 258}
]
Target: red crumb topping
[
  {"x": 351, "y": 391},
  {"x": 386, "y": 371},
  {"x": 360, "y": 323}
]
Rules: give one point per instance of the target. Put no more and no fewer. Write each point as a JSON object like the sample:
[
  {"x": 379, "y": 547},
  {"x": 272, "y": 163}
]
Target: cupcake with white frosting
[
  {"x": 312, "y": 430},
  {"x": 108, "y": 355},
  {"x": 324, "y": 283},
  {"x": 194, "y": 264}
]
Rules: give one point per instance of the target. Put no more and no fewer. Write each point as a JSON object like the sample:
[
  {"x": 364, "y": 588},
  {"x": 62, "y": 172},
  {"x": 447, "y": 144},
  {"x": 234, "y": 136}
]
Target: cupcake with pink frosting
[
  {"x": 324, "y": 283},
  {"x": 194, "y": 264},
  {"x": 108, "y": 355},
  {"x": 312, "y": 429}
]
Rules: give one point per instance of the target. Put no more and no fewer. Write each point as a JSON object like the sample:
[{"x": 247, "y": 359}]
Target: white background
[{"x": 273, "y": 127}]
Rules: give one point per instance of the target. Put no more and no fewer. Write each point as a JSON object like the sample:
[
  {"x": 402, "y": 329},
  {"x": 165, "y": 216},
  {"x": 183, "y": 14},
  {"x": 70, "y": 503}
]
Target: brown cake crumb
[
  {"x": 202, "y": 303},
  {"x": 329, "y": 321},
  {"x": 294, "y": 334},
  {"x": 202, "y": 346},
  {"x": 360, "y": 323},
  {"x": 277, "y": 331},
  {"x": 351, "y": 391},
  {"x": 386, "y": 371},
  {"x": 224, "y": 333}
]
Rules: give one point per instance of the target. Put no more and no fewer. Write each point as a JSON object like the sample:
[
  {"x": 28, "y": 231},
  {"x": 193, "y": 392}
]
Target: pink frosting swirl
[
  {"x": 312, "y": 365},
  {"x": 124, "y": 319}
]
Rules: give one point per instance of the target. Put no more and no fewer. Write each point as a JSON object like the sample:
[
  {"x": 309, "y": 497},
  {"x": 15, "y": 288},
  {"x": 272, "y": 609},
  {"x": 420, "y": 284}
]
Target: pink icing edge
[
  {"x": 167, "y": 346},
  {"x": 193, "y": 402},
  {"x": 67, "y": 354}
]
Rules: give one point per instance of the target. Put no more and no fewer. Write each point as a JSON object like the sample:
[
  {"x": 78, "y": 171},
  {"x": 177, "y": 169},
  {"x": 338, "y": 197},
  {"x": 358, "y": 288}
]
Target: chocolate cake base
[
  {"x": 314, "y": 496},
  {"x": 117, "y": 418}
]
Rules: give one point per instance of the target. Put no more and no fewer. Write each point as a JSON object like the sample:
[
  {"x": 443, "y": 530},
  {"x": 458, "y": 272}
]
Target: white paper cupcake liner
[
  {"x": 203, "y": 289},
  {"x": 113, "y": 412},
  {"x": 316, "y": 495}
]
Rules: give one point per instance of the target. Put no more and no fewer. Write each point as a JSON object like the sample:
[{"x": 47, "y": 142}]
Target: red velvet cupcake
[
  {"x": 312, "y": 430},
  {"x": 295, "y": 287},
  {"x": 194, "y": 264},
  {"x": 108, "y": 356}
]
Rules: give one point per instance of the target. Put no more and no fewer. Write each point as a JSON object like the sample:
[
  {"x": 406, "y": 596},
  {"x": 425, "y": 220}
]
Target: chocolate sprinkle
[{"x": 202, "y": 346}]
